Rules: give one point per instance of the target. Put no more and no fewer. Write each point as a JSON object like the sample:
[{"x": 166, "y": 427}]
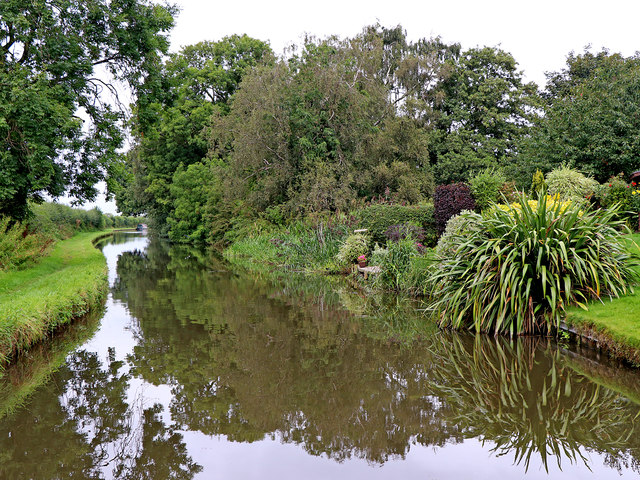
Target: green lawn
[
  {"x": 618, "y": 319},
  {"x": 62, "y": 286}
]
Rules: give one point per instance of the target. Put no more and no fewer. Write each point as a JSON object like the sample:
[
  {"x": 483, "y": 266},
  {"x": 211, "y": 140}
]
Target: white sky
[{"x": 538, "y": 34}]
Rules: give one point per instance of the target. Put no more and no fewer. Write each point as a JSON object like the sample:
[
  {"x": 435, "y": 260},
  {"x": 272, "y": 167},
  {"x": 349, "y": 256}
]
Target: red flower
[{"x": 610, "y": 185}]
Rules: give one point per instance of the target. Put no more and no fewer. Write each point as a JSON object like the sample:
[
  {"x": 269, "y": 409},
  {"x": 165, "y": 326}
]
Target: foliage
[
  {"x": 484, "y": 109},
  {"x": 397, "y": 266},
  {"x": 190, "y": 195},
  {"x": 402, "y": 231},
  {"x": 485, "y": 187},
  {"x": 592, "y": 117},
  {"x": 526, "y": 265},
  {"x": 172, "y": 127},
  {"x": 570, "y": 184},
  {"x": 308, "y": 246},
  {"x": 615, "y": 191},
  {"x": 353, "y": 246},
  {"x": 462, "y": 225},
  {"x": 378, "y": 218},
  {"x": 51, "y": 53},
  {"x": 450, "y": 200},
  {"x": 17, "y": 248},
  {"x": 538, "y": 185},
  {"x": 509, "y": 191}
]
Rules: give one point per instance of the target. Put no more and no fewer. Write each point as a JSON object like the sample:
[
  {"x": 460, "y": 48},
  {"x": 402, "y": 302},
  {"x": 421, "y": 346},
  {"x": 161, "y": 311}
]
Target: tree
[
  {"x": 58, "y": 60},
  {"x": 482, "y": 110},
  {"x": 592, "y": 118},
  {"x": 174, "y": 113}
]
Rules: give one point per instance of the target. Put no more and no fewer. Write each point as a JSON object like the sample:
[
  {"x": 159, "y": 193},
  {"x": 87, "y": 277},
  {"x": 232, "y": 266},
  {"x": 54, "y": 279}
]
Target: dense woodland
[{"x": 228, "y": 135}]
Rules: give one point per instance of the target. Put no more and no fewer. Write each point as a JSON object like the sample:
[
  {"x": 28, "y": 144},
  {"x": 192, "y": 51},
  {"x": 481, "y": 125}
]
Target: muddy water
[{"x": 197, "y": 370}]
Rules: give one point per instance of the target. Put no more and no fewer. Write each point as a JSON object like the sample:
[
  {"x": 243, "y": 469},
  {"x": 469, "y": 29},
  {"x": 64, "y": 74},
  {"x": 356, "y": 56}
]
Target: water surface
[{"x": 199, "y": 370}]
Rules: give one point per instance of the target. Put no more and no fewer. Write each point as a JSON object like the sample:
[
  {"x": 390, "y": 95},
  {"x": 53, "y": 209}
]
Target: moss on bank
[{"x": 34, "y": 302}]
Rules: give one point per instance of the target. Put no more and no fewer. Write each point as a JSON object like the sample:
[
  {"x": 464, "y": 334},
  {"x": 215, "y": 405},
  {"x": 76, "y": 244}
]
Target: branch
[{"x": 105, "y": 60}]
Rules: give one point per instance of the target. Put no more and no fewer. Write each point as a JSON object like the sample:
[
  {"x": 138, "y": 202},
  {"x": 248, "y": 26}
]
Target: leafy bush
[
  {"x": 615, "y": 191},
  {"x": 485, "y": 187},
  {"x": 16, "y": 247},
  {"x": 461, "y": 225},
  {"x": 450, "y": 200},
  {"x": 354, "y": 246},
  {"x": 538, "y": 185},
  {"x": 524, "y": 266},
  {"x": 377, "y": 219},
  {"x": 570, "y": 184}
]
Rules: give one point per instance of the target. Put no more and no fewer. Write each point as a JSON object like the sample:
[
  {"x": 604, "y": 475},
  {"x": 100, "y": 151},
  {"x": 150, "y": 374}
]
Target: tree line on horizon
[{"x": 227, "y": 133}]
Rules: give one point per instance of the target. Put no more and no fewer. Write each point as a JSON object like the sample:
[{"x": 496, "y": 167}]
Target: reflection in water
[
  {"x": 80, "y": 423},
  {"x": 295, "y": 360},
  {"x": 523, "y": 398}
]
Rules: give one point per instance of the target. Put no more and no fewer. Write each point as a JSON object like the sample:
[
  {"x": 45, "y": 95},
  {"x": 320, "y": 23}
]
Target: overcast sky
[{"x": 538, "y": 34}]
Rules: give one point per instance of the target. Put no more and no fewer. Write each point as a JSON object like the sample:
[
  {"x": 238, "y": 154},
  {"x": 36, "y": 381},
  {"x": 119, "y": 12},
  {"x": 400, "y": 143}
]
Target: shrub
[
  {"x": 524, "y": 266},
  {"x": 354, "y": 246},
  {"x": 538, "y": 185},
  {"x": 570, "y": 184},
  {"x": 450, "y": 200},
  {"x": 509, "y": 192},
  {"x": 395, "y": 263},
  {"x": 377, "y": 219},
  {"x": 615, "y": 191},
  {"x": 461, "y": 225},
  {"x": 485, "y": 187}
]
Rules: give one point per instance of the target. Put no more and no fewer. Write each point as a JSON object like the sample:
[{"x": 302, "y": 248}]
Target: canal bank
[{"x": 65, "y": 285}]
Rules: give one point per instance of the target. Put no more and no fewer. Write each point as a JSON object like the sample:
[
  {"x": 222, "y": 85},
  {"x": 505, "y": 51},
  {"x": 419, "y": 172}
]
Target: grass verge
[
  {"x": 34, "y": 302},
  {"x": 614, "y": 324}
]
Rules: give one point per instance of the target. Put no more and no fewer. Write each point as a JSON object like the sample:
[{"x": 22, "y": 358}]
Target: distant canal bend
[{"x": 197, "y": 370}]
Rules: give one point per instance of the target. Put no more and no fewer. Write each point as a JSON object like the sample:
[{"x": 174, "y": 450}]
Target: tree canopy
[
  {"x": 58, "y": 60},
  {"x": 592, "y": 117}
]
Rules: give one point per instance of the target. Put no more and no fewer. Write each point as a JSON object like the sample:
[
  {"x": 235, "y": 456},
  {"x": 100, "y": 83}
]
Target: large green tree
[
  {"x": 592, "y": 118},
  {"x": 174, "y": 112},
  {"x": 338, "y": 121},
  {"x": 62, "y": 63},
  {"x": 482, "y": 111}
]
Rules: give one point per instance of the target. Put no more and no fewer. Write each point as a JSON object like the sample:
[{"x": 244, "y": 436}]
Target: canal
[{"x": 197, "y": 370}]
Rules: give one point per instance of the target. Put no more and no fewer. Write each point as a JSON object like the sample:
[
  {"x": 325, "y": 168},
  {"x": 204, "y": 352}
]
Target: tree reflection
[
  {"x": 248, "y": 358},
  {"x": 80, "y": 425}
]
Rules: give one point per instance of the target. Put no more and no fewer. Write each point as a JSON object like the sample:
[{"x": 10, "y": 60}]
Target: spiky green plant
[{"x": 527, "y": 263}]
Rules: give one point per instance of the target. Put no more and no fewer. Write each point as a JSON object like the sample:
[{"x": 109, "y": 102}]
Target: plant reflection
[
  {"x": 521, "y": 396},
  {"x": 248, "y": 357}
]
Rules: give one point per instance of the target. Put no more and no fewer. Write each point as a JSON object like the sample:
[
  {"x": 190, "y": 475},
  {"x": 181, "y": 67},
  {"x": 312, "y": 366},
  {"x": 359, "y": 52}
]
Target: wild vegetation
[{"x": 281, "y": 158}]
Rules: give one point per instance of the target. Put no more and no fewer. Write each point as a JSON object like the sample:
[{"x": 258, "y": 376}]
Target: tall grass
[
  {"x": 300, "y": 245},
  {"x": 527, "y": 264},
  {"x": 18, "y": 248}
]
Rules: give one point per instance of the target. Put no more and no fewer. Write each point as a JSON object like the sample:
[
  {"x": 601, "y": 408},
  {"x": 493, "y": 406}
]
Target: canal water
[{"x": 199, "y": 370}]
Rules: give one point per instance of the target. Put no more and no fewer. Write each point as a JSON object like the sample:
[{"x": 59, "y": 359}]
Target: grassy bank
[
  {"x": 66, "y": 284},
  {"x": 614, "y": 324}
]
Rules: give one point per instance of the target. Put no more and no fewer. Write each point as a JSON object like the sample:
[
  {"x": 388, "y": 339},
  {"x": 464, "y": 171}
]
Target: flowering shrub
[
  {"x": 552, "y": 203},
  {"x": 526, "y": 264}
]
